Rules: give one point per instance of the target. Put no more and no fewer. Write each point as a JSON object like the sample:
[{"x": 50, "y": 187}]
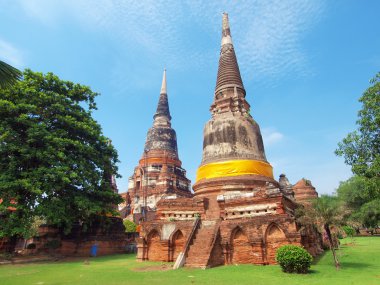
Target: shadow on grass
[
  {"x": 358, "y": 265},
  {"x": 319, "y": 257},
  {"x": 97, "y": 259}
]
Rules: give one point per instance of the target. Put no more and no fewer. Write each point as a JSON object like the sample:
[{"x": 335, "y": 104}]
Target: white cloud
[
  {"x": 271, "y": 136},
  {"x": 270, "y": 45},
  {"x": 267, "y": 34},
  {"x": 10, "y": 54}
]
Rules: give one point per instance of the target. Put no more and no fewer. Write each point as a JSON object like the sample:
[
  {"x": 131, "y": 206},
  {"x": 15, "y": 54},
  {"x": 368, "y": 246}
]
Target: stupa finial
[
  {"x": 226, "y": 32},
  {"x": 163, "y": 85}
]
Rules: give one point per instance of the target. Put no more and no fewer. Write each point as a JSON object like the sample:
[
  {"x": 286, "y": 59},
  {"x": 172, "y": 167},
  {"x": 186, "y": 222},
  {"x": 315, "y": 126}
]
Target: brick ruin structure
[
  {"x": 159, "y": 172},
  {"x": 304, "y": 194},
  {"x": 108, "y": 240},
  {"x": 239, "y": 213},
  {"x": 304, "y": 191}
]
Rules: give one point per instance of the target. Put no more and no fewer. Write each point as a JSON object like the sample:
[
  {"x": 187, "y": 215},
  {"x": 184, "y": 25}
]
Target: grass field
[{"x": 360, "y": 265}]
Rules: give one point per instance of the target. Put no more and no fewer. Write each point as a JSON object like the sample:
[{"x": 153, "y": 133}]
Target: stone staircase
[{"x": 199, "y": 252}]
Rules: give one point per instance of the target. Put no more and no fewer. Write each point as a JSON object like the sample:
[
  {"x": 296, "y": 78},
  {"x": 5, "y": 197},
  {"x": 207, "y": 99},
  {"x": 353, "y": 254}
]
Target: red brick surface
[{"x": 245, "y": 229}]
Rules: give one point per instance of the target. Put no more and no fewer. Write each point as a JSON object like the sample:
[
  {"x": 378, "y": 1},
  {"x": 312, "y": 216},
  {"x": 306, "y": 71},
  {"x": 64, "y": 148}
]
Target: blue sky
[{"x": 304, "y": 64}]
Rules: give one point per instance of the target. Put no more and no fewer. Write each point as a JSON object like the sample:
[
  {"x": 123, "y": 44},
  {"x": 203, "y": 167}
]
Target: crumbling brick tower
[
  {"x": 304, "y": 191},
  {"x": 244, "y": 214},
  {"x": 159, "y": 171}
]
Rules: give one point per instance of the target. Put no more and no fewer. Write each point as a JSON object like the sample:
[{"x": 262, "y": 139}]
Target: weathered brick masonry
[
  {"x": 239, "y": 213},
  {"x": 159, "y": 171}
]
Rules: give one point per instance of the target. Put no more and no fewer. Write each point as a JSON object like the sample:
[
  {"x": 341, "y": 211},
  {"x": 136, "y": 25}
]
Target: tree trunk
[{"x": 332, "y": 247}]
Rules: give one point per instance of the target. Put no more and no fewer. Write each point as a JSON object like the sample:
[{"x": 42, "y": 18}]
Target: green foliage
[
  {"x": 54, "y": 159},
  {"x": 362, "y": 198},
  {"x": 339, "y": 235},
  {"x": 350, "y": 231},
  {"x": 37, "y": 222},
  {"x": 329, "y": 210},
  {"x": 8, "y": 75},
  {"x": 326, "y": 212},
  {"x": 293, "y": 259},
  {"x": 361, "y": 150},
  {"x": 130, "y": 227},
  {"x": 369, "y": 214},
  {"x": 353, "y": 192}
]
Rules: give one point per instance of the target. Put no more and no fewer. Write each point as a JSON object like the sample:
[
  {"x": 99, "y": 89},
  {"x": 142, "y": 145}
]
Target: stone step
[{"x": 199, "y": 252}]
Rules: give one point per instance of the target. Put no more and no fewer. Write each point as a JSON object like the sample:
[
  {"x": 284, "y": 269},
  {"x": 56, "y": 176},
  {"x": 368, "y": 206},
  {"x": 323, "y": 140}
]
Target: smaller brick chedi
[
  {"x": 159, "y": 171},
  {"x": 304, "y": 191},
  {"x": 239, "y": 213}
]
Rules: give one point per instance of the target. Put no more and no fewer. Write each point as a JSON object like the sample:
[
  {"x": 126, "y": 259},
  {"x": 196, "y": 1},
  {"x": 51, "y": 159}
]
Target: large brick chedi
[
  {"x": 239, "y": 213},
  {"x": 159, "y": 171}
]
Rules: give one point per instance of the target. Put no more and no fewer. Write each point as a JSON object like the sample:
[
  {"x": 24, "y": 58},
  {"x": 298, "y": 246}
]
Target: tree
[
  {"x": 326, "y": 212},
  {"x": 369, "y": 214},
  {"x": 360, "y": 197},
  {"x": 8, "y": 75},
  {"x": 53, "y": 155},
  {"x": 361, "y": 150}
]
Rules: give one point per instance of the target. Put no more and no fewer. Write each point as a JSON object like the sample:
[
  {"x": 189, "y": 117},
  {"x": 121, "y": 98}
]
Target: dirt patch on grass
[{"x": 162, "y": 267}]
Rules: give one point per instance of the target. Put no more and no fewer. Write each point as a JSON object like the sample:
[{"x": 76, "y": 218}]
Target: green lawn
[{"x": 360, "y": 265}]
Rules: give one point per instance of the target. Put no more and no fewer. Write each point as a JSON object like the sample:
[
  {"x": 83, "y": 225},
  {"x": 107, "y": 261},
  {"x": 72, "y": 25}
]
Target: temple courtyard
[{"x": 360, "y": 261}]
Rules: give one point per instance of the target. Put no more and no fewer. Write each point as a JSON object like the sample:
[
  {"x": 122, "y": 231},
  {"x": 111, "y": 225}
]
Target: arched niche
[
  {"x": 274, "y": 238},
  {"x": 154, "y": 246},
  {"x": 241, "y": 252},
  {"x": 178, "y": 242}
]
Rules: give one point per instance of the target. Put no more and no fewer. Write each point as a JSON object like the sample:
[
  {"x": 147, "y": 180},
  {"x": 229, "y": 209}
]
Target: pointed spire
[
  {"x": 228, "y": 70},
  {"x": 163, "y": 85},
  {"x": 161, "y": 136},
  {"x": 162, "y": 115},
  {"x": 226, "y": 32}
]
